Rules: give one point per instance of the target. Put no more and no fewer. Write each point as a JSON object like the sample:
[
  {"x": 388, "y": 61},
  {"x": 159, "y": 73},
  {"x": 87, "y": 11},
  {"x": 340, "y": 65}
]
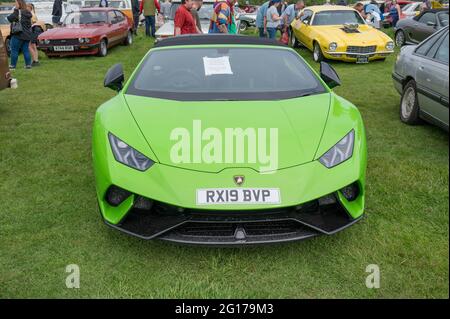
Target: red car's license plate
[{"x": 63, "y": 48}]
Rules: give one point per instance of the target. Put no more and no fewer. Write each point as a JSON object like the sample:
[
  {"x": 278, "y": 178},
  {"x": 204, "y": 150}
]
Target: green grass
[{"x": 49, "y": 216}]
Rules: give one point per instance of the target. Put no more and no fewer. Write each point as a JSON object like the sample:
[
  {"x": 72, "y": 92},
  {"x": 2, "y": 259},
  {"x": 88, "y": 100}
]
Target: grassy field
[{"x": 49, "y": 216}]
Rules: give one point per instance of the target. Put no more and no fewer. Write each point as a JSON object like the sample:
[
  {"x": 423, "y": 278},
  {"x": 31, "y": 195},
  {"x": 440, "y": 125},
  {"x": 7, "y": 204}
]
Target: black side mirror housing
[
  {"x": 114, "y": 78},
  {"x": 329, "y": 75}
]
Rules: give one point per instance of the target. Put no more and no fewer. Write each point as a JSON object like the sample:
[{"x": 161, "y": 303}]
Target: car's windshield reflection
[{"x": 77, "y": 18}]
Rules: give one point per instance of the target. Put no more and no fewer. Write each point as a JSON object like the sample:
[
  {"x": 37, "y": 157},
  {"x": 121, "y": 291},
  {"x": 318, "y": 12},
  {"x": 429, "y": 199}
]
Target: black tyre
[
  {"x": 243, "y": 26},
  {"x": 129, "y": 39},
  {"x": 400, "y": 38},
  {"x": 294, "y": 42},
  {"x": 409, "y": 104},
  {"x": 8, "y": 46},
  {"x": 103, "y": 48},
  {"x": 317, "y": 52}
]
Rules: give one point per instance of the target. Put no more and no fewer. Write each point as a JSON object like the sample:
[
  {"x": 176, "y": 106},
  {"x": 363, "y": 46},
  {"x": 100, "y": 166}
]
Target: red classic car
[{"x": 88, "y": 31}]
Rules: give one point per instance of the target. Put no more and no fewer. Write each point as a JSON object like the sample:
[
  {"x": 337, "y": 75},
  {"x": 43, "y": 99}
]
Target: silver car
[
  {"x": 421, "y": 77},
  {"x": 415, "y": 30}
]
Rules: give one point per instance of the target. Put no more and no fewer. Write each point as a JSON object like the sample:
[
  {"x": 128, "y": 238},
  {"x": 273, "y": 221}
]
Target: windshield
[
  {"x": 112, "y": 4},
  {"x": 337, "y": 17},
  {"x": 3, "y": 19},
  {"x": 443, "y": 18},
  {"x": 407, "y": 7},
  {"x": 85, "y": 17},
  {"x": 224, "y": 74},
  {"x": 6, "y": 7},
  {"x": 205, "y": 11}
]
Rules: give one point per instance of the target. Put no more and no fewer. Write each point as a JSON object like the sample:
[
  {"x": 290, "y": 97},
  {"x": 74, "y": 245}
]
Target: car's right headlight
[
  {"x": 333, "y": 46},
  {"x": 127, "y": 155},
  {"x": 340, "y": 152}
]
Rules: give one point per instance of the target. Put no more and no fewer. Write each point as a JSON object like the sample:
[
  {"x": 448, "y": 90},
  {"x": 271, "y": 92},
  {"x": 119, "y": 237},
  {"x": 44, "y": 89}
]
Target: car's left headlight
[
  {"x": 340, "y": 152},
  {"x": 333, "y": 46},
  {"x": 390, "y": 45},
  {"x": 127, "y": 155}
]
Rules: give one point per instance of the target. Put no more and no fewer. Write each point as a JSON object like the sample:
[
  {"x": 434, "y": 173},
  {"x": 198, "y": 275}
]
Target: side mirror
[
  {"x": 329, "y": 75},
  {"x": 431, "y": 24},
  {"x": 114, "y": 78},
  {"x": 306, "y": 21}
]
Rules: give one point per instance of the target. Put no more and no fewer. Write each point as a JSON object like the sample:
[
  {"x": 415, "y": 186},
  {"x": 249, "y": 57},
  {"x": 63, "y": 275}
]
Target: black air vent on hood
[{"x": 350, "y": 28}]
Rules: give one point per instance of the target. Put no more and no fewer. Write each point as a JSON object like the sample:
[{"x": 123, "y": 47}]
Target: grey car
[
  {"x": 421, "y": 77},
  {"x": 415, "y": 30},
  {"x": 247, "y": 20}
]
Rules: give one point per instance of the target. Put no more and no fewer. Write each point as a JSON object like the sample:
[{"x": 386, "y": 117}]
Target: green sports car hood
[{"x": 300, "y": 123}]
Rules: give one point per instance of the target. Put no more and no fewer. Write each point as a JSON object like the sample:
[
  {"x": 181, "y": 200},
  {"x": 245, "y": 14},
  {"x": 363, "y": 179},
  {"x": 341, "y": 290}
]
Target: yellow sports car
[{"x": 339, "y": 33}]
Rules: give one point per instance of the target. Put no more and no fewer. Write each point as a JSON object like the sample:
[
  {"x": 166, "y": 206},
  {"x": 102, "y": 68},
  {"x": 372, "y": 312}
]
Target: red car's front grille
[{"x": 64, "y": 42}]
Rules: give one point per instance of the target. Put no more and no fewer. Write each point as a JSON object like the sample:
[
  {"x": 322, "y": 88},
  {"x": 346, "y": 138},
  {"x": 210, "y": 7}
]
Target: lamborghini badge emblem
[{"x": 239, "y": 179}]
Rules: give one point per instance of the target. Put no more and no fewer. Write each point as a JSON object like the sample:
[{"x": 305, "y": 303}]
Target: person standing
[
  {"x": 360, "y": 8},
  {"x": 165, "y": 8},
  {"x": 57, "y": 12},
  {"x": 283, "y": 5},
  {"x": 221, "y": 19},
  {"x": 196, "y": 6},
  {"x": 232, "y": 27},
  {"x": 184, "y": 21},
  {"x": 20, "y": 34},
  {"x": 261, "y": 19},
  {"x": 103, "y": 4},
  {"x": 426, "y": 5},
  {"x": 149, "y": 8},
  {"x": 373, "y": 13},
  {"x": 135, "y": 9},
  {"x": 273, "y": 18},
  {"x": 395, "y": 12},
  {"x": 290, "y": 13},
  {"x": 34, "y": 36}
]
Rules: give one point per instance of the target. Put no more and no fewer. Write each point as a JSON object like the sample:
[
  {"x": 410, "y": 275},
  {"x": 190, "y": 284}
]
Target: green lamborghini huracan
[{"x": 224, "y": 140}]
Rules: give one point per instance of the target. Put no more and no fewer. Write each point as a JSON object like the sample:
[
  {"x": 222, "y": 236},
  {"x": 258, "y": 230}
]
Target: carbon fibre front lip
[{"x": 167, "y": 227}]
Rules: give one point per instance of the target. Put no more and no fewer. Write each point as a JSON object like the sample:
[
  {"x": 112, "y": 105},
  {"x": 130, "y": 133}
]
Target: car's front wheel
[
  {"x": 294, "y": 41},
  {"x": 317, "y": 52},
  {"x": 103, "y": 48},
  {"x": 400, "y": 38},
  {"x": 243, "y": 26},
  {"x": 409, "y": 105}
]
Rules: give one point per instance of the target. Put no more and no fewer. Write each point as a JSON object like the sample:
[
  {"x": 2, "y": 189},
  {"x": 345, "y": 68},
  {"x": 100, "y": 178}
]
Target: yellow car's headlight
[
  {"x": 390, "y": 45},
  {"x": 333, "y": 46}
]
